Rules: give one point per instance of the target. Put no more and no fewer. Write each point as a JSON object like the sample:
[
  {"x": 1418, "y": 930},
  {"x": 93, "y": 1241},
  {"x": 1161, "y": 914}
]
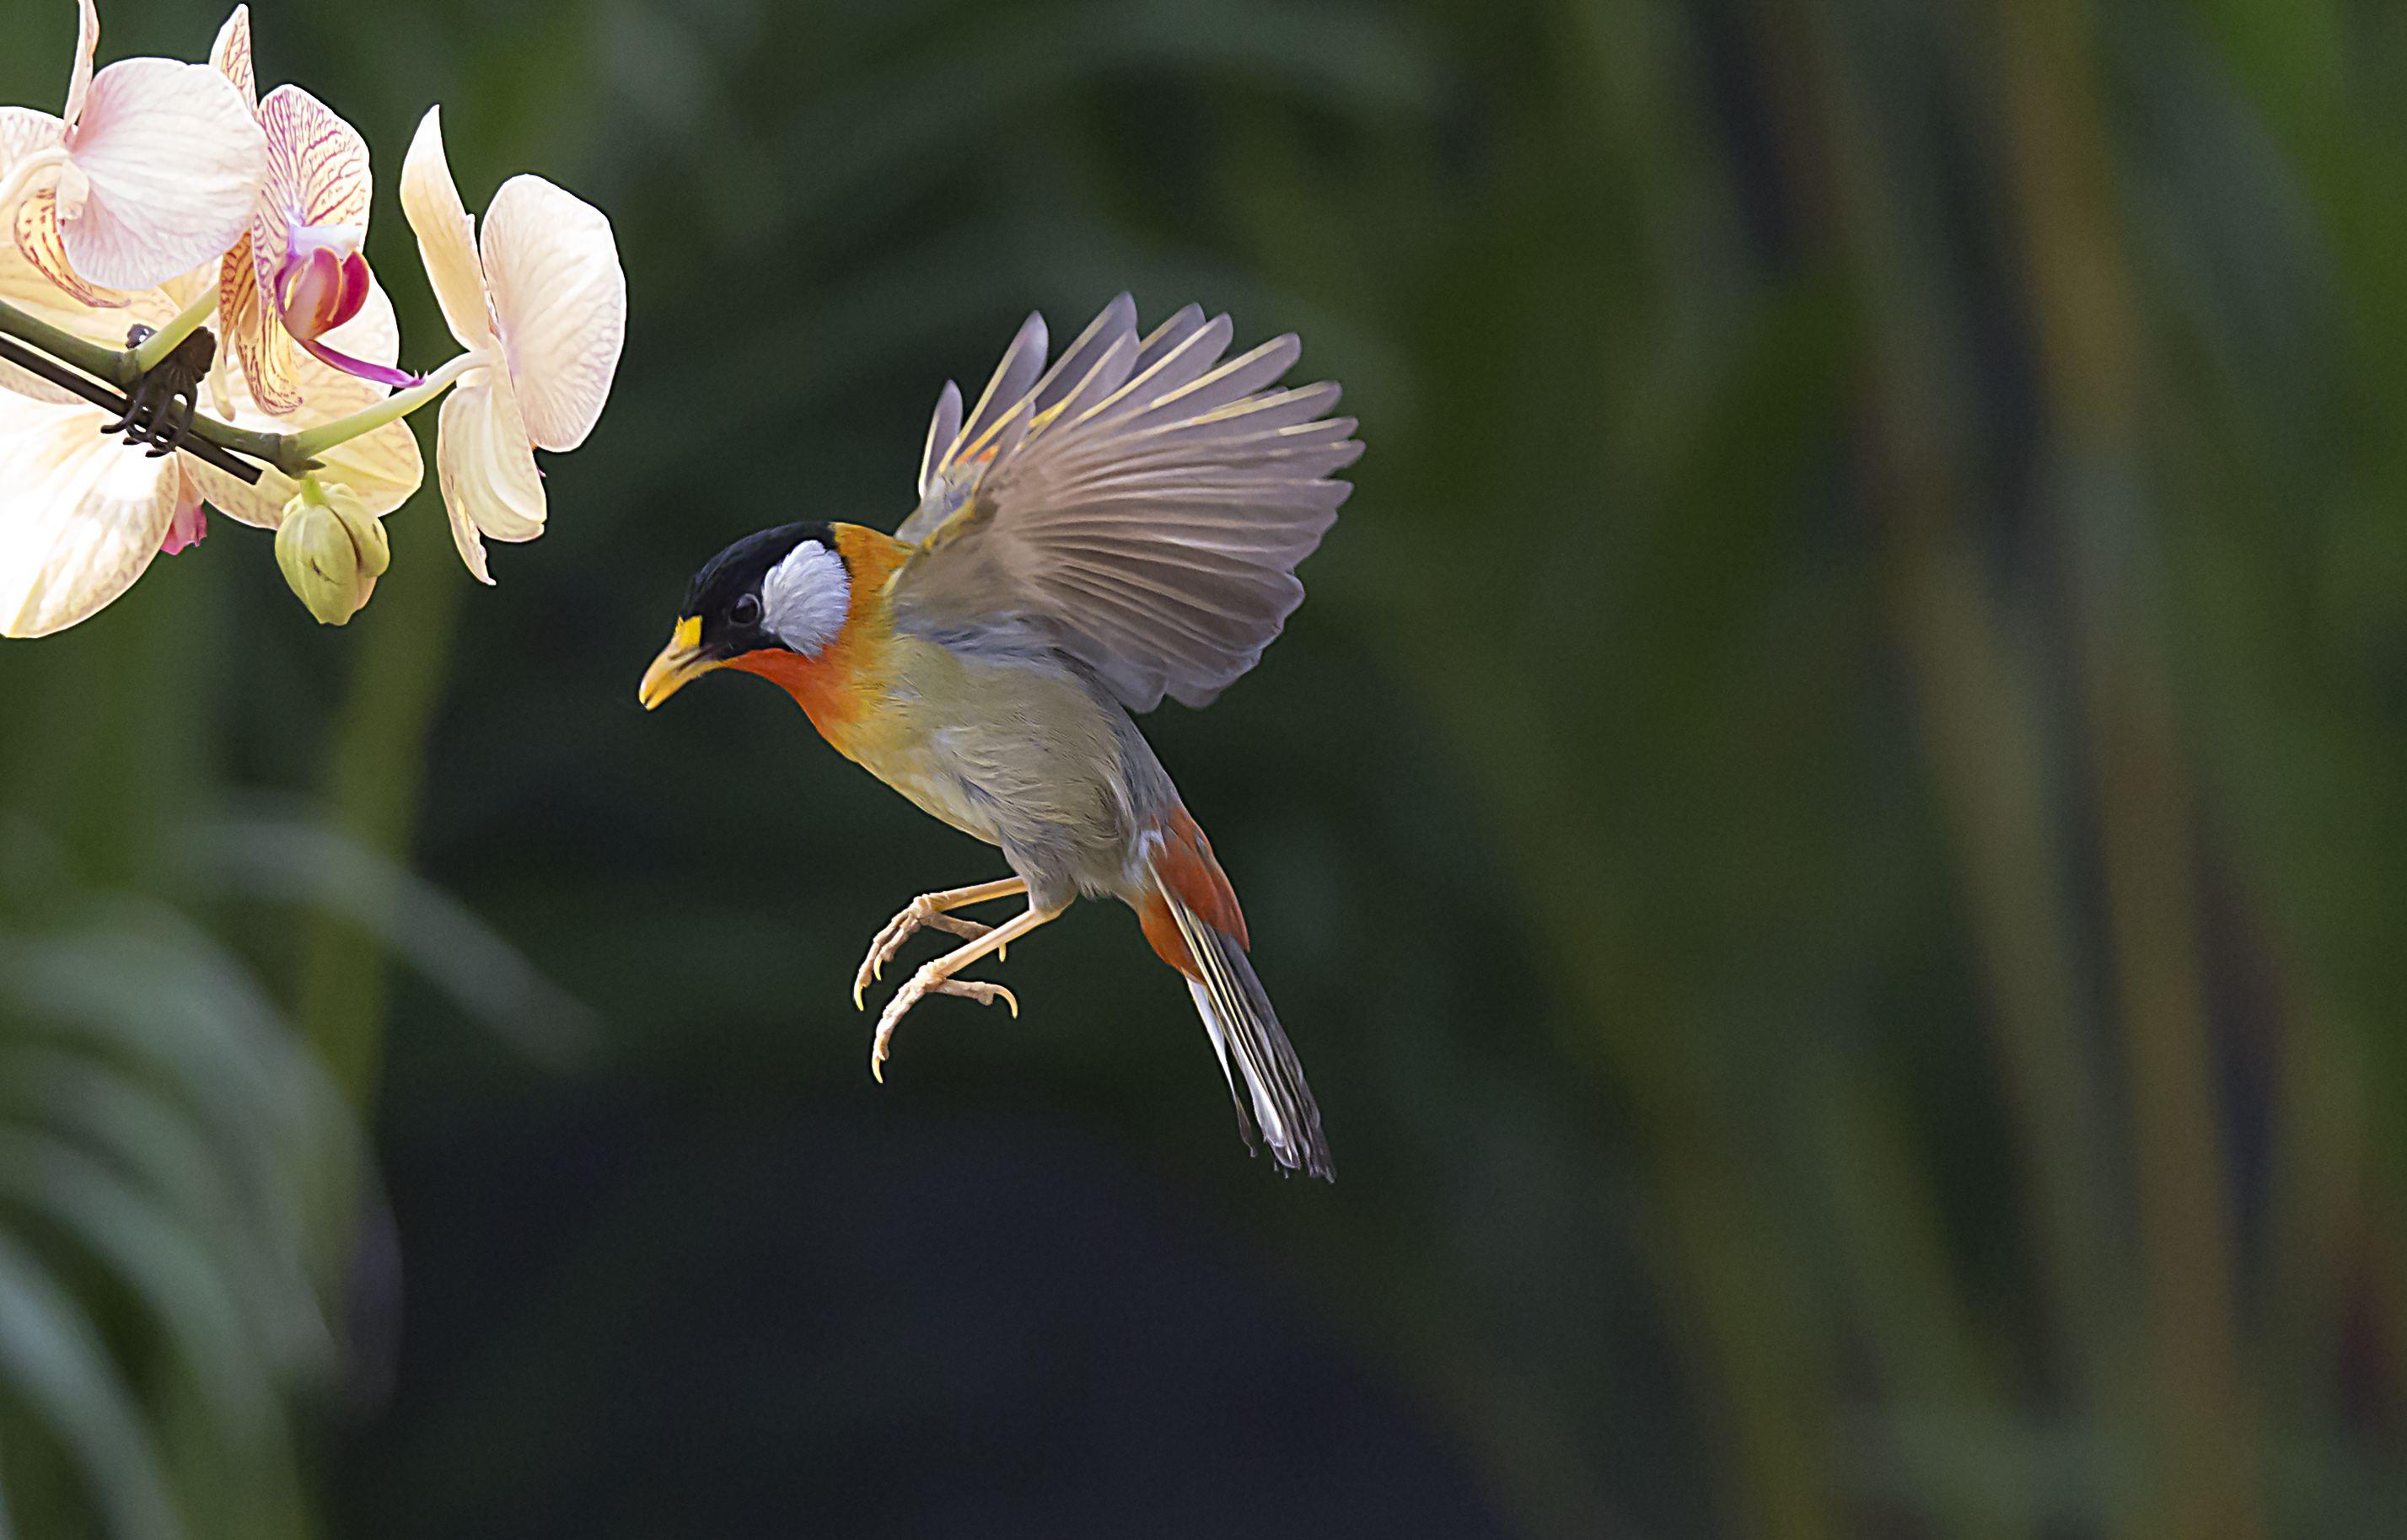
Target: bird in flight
[{"x": 1090, "y": 537}]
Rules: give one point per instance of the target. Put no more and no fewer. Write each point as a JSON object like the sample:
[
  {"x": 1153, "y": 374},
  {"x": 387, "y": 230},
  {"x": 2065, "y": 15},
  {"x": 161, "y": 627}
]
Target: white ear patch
[{"x": 804, "y": 597}]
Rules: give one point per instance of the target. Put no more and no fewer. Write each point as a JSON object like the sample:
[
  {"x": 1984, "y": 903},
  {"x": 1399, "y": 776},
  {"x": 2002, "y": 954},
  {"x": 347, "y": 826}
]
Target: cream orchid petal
[
  {"x": 383, "y": 468},
  {"x": 491, "y": 486},
  {"x": 86, "y": 515},
  {"x": 87, "y": 44},
  {"x": 447, "y": 239},
  {"x": 230, "y": 55},
  {"x": 25, "y": 132},
  {"x": 172, "y": 158},
  {"x": 560, "y": 299},
  {"x": 186, "y": 288},
  {"x": 261, "y": 506}
]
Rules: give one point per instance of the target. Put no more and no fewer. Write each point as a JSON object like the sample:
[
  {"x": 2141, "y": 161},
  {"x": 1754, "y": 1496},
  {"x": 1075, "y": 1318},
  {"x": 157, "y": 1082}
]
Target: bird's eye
[{"x": 746, "y": 611}]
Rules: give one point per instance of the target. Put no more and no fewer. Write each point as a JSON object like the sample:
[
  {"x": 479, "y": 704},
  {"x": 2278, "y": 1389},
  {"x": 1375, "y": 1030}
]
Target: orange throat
[{"x": 837, "y": 684}]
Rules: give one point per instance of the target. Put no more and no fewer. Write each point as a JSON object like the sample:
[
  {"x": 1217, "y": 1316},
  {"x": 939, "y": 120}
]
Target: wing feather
[
  {"x": 1143, "y": 503},
  {"x": 942, "y": 429},
  {"x": 1006, "y": 394},
  {"x": 1168, "y": 336}
]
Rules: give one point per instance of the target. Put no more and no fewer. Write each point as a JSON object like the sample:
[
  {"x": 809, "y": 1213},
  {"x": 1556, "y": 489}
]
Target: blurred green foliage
[{"x": 1832, "y": 835}]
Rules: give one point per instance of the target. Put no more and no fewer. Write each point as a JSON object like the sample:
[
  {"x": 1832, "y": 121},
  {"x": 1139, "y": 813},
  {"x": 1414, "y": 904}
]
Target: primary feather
[{"x": 1142, "y": 505}]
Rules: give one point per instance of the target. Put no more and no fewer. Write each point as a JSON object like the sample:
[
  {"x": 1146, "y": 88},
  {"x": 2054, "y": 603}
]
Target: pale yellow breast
[{"x": 1011, "y": 753}]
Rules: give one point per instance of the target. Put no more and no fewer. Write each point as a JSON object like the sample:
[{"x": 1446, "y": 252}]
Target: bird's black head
[{"x": 782, "y": 588}]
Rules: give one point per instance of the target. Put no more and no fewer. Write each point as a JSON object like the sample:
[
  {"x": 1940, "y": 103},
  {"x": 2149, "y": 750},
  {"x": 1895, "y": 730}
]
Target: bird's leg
[
  {"x": 929, "y": 910},
  {"x": 936, "y": 977}
]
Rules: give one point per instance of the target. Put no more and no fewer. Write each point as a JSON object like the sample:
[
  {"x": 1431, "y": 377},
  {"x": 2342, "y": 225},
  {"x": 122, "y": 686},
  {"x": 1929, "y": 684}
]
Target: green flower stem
[
  {"x": 113, "y": 365},
  {"x": 158, "y": 345},
  {"x": 317, "y": 441},
  {"x": 120, "y": 366}
]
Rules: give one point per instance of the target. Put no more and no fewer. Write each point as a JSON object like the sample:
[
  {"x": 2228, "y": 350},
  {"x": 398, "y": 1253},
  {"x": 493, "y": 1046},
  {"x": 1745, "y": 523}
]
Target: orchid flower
[
  {"x": 85, "y": 514},
  {"x": 151, "y": 172},
  {"x": 540, "y": 303},
  {"x": 298, "y": 271}
]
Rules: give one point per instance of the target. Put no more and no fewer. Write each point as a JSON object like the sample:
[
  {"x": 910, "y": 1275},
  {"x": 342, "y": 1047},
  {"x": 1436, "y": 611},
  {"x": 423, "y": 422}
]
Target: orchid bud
[
  {"x": 332, "y": 551},
  {"x": 323, "y": 281}
]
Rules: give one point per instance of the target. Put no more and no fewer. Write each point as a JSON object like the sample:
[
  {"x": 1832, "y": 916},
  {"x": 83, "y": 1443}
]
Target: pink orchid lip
[
  {"x": 323, "y": 279},
  {"x": 381, "y": 374}
]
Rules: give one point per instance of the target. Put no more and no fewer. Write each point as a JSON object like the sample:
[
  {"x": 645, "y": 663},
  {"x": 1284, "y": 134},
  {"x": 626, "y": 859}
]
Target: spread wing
[{"x": 1141, "y": 504}]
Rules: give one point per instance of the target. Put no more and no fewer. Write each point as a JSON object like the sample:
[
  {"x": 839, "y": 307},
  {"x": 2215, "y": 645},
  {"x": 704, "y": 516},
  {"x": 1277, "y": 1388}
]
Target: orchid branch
[
  {"x": 294, "y": 454},
  {"x": 110, "y": 365}
]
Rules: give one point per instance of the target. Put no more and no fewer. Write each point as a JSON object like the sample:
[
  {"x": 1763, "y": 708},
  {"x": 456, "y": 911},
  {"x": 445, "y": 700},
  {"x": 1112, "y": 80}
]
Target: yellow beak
[{"x": 680, "y": 663}]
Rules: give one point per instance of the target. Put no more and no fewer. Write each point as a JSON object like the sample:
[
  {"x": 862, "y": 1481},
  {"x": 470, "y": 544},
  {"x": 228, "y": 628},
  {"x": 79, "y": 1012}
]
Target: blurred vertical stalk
[
  {"x": 376, "y": 772},
  {"x": 2205, "y": 1482},
  {"x": 1732, "y": 1291},
  {"x": 1981, "y": 718}
]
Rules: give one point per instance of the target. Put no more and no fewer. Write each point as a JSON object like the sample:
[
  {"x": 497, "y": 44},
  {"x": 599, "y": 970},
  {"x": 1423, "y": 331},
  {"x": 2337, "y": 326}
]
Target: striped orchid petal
[
  {"x": 297, "y": 272},
  {"x": 230, "y": 56}
]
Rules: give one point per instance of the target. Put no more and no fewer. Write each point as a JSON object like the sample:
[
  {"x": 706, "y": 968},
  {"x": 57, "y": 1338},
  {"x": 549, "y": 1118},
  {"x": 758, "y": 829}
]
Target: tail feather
[{"x": 1245, "y": 1034}]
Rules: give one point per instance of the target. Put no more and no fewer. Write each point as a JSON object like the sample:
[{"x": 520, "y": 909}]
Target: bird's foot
[
  {"x": 921, "y": 911},
  {"x": 928, "y": 981}
]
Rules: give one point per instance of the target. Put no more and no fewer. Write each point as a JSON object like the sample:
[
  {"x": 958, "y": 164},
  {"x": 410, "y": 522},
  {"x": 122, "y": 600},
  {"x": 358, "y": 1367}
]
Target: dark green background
[{"x": 1831, "y": 834}]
